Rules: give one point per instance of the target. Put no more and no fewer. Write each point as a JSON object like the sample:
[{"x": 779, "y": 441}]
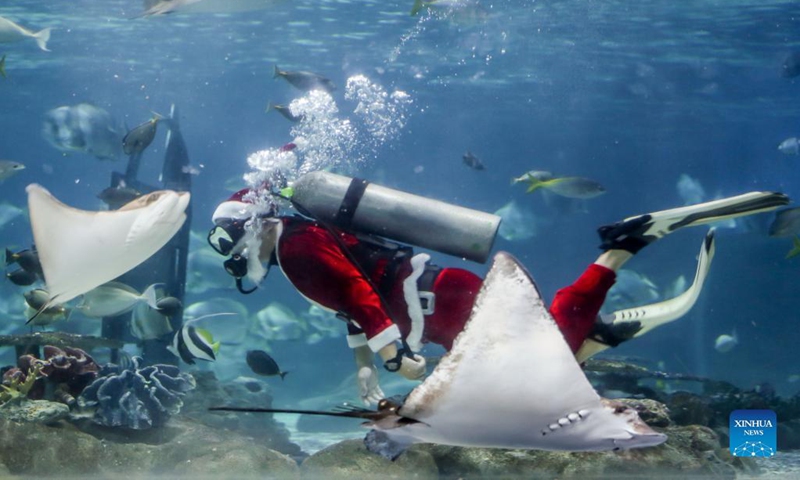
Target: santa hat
[{"x": 242, "y": 205}]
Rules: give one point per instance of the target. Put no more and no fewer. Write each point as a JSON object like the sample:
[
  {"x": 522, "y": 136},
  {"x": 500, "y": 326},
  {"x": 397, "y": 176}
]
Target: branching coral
[{"x": 16, "y": 386}]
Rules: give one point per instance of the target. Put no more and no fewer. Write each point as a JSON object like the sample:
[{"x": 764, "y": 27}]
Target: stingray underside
[
  {"x": 511, "y": 380},
  {"x": 80, "y": 250}
]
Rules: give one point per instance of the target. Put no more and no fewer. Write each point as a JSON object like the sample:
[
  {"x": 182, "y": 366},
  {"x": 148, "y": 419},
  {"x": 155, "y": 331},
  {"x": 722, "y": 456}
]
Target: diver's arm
[{"x": 367, "y": 376}]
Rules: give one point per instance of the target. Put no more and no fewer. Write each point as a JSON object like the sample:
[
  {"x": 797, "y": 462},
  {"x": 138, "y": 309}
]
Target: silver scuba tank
[{"x": 357, "y": 205}]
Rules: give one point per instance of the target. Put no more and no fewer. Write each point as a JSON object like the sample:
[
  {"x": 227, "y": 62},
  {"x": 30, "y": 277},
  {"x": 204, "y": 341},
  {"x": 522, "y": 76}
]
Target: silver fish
[
  {"x": 140, "y": 137},
  {"x": 11, "y": 32},
  {"x": 790, "y": 146},
  {"x": 9, "y": 168},
  {"x": 83, "y": 128},
  {"x": 115, "y": 298},
  {"x": 725, "y": 343},
  {"x": 305, "y": 81}
]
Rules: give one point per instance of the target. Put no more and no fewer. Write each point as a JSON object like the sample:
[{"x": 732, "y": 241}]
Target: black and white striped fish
[{"x": 191, "y": 343}]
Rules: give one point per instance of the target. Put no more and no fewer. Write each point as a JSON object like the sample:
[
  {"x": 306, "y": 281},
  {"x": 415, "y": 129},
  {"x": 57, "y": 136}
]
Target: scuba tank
[{"x": 355, "y": 204}]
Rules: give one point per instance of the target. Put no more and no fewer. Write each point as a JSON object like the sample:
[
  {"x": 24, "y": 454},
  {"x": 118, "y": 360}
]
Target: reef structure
[{"x": 136, "y": 397}]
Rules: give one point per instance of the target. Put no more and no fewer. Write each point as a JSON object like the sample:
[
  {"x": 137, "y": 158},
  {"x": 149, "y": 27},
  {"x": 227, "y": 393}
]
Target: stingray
[
  {"x": 80, "y": 250},
  {"x": 510, "y": 381}
]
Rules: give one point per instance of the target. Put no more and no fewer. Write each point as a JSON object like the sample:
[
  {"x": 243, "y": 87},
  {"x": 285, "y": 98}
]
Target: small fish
[
  {"x": 140, "y": 137},
  {"x": 115, "y": 298},
  {"x": 169, "y": 306},
  {"x": 570, "y": 187},
  {"x": 472, "y": 161},
  {"x": 35, "y": 301},
  {"x": 725, "y": 343},
  {"x": 287, "y": 147},
  {"x": 786, "y": 223},
  {"x": 22, "y": 277},
  {"x": 795, "y": 251},
  {"x": 7, "y": 167},
  {"x": 117, "y": 196},
  {"x": 285, "y": 111},
  {"x": 790, "y": 146},
  {"x": 3, "y": 66},
  {"x": 191, "y": 343},
  {"x": 542, "y": 175},
  {"x": 27, "y": 259},
  {"x": 191, "y": 169},
  {"x": 11, "y": 32},
  {"x": 261, "y": 363},
  {"x": 791, "y": 65},
  {"x": 149, "y": 324},
  {"x": 163, "y": 7},
  {"x": 305, "y": 81}
]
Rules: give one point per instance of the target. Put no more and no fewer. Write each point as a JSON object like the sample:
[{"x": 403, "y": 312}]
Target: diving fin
[
  {"x": 612, "y": 329},
  {"x": 644, "y": 229}
]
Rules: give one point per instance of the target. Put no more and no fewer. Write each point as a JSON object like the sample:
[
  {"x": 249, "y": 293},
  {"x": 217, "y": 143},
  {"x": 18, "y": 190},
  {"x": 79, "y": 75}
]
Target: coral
[
  {"x": 16, "y": 384},
  {"x": 71, "y": 368},
  {"x": 60, "y": 376},
  {"x": 138, "y": 397}
]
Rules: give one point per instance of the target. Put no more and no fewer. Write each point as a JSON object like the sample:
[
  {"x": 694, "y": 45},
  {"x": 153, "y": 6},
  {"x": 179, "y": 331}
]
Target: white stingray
[
  {"x": 510, "y": 381},
  {"x": 80, "y": 250}
]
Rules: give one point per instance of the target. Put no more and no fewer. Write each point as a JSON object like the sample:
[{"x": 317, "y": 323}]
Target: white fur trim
[
  {"x": 357, "y": 340},
  {"x": 411, "y": 295},
  {"x": 387, "y": 336},
  {"x": 235, "y": 210}
]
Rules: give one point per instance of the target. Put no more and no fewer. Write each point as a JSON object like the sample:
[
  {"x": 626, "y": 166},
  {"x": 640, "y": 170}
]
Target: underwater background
[{"x": 634, "y": 95}]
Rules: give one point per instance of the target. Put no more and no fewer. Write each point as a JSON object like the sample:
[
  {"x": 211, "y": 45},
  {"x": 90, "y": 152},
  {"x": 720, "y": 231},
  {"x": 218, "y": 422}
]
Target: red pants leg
[{"x": 576, "y": 307}]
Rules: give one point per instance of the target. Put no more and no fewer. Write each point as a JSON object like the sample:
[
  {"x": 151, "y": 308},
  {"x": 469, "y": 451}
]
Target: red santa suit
[{"x": 315, "y": 263}]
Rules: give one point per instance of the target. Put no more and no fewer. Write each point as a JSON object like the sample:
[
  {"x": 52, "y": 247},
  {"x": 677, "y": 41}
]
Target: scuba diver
[{"x": 394, "y": 301}]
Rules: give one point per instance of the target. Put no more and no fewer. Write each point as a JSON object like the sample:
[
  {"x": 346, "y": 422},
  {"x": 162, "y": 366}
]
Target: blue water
[{"x": 632, "y": 96}]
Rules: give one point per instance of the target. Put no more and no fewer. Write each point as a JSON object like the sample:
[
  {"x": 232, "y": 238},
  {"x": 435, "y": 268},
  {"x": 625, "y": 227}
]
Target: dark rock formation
[{"x": 190, "y": 449}]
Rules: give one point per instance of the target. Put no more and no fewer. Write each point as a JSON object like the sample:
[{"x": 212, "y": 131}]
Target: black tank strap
[
  {"x": 428, "y": 277},
  {"x": 347, "y": 209}
]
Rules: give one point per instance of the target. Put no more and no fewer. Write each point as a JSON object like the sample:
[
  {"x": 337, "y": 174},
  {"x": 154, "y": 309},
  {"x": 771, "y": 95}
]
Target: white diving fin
[
  {"x": 658, "y": 224},
  {"x": 639, "y": 320}
]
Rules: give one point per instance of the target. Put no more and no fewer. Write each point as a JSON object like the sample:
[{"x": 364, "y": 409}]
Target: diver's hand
[
  {"x": 368, "y": 387},
  {"x": 413, "y": 368}
]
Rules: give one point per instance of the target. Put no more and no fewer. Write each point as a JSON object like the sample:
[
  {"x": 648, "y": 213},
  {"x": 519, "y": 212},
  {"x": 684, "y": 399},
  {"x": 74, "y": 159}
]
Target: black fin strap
[
  {"x": 241, "y": 288},
  {"x": 347, "y": 209}
]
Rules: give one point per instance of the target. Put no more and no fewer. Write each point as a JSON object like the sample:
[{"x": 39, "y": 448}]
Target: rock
[
  {"x": 35, "y": 411},
  {"x": 653, "y": 413},
  {"x": 185, "y": 448},
  {"x": 689, "y": 409},
  {"x": 789, "y": 435},
  {"x": 243, "y": 392},
  {"x": 350, "y": 460},
  {"x": 691, "y": 450}
]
